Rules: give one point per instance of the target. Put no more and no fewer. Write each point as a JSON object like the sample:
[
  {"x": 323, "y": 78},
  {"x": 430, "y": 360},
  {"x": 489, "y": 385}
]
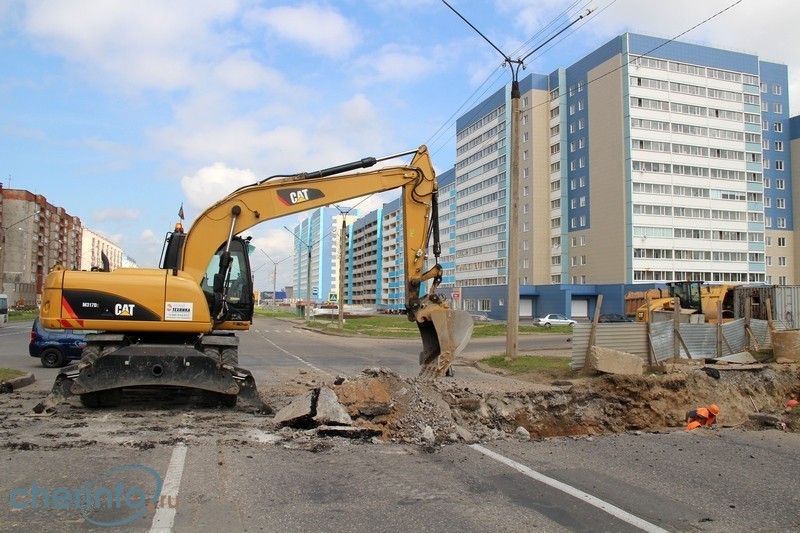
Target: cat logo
[
  {"x": 124, "y": 309},
  {"x": 290, "y": 197}
]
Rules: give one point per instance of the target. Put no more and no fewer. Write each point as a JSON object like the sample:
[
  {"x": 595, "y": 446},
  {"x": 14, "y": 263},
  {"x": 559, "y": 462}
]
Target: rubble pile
[{"x": 381, "y": 405}]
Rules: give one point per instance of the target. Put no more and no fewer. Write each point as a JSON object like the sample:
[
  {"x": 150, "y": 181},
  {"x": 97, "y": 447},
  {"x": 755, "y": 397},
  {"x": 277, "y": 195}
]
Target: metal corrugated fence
[
  {"x": 700, "y": 339},
  {"x": 628, "y": 337}
]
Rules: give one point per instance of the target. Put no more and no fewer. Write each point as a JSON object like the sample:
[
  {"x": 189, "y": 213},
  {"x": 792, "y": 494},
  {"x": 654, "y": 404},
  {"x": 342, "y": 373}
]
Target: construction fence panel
[
  {"x": 628, "y": 337},
  {"x": 760, "y": 329},
  {"x": 736, "y": 336},
  {"x": 662, "y": 339},
  {"x": 700, "y": 339}
]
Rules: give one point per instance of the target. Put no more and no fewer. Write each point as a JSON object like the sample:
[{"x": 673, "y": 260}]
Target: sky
[{"x": 120, "y": 111}]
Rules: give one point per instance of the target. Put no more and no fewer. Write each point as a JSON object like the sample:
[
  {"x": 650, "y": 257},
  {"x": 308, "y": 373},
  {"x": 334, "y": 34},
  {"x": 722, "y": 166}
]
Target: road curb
[{"x": 22, "y": 381}]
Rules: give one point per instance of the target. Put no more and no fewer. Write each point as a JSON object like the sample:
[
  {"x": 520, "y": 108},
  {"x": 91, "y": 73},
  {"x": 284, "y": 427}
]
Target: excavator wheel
[
  {"x": 103, "y": 398},
  {"x": 214, "y": 399}
]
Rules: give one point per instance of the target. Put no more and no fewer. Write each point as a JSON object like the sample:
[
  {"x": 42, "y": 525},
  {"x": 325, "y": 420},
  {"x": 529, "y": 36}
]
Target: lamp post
[
  {"x": 308, "y": 272},
  {"x": 274, "y": 275},
  {"x": 3, "y": 231}
]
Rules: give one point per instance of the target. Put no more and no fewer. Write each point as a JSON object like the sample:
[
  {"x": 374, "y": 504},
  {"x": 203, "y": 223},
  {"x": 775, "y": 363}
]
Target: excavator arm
[{"x": 444, "y": 332}]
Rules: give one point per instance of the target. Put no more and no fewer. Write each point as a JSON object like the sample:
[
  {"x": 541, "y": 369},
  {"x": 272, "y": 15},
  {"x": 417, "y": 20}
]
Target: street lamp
[
  {"x": 308, "y": 273},
  {"x": 274, "y": 275}
]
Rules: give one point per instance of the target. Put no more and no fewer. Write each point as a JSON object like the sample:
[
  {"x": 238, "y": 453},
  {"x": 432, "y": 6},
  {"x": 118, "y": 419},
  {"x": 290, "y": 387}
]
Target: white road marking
[
  {"x": 572, "y": 491},
  {"x": 165, "y": 514},
  {"x": 290, "y": 354}
]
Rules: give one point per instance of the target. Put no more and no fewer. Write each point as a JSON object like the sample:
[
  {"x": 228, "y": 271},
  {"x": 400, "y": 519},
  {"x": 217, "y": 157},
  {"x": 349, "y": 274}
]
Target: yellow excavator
[{"x": 175, "y": 326}]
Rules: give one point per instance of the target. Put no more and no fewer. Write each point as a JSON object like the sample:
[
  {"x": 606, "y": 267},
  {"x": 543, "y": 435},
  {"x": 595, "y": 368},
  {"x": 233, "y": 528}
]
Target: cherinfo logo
[{"x": 117, "y": 497}]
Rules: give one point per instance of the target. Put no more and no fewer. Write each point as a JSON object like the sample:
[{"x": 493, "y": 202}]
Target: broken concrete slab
[
  {"x": 298, "y": 412},
  {"x": 329, "y": 411},
  {"x": 741, "y": 357},
  {"x": 611, "y": 361},
  {"x": 350, "y": 432}
]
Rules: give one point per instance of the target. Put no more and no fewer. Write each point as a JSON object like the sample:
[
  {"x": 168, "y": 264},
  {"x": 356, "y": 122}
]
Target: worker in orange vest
[{"x": 702, "y": 416}]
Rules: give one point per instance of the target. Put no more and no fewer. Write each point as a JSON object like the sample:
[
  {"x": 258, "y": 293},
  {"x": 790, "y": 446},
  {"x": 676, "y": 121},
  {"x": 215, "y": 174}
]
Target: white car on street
[{"x": 554, "y": 320}]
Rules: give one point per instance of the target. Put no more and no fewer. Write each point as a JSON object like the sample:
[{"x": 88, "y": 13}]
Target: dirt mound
[{"x": 414, "y": 411}]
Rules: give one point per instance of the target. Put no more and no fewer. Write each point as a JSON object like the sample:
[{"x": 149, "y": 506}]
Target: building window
[
  {"x": 782, "y": 242},
  {"x": 764, "y": 125},
  {"x": 526, "y": 209},
  {"x": 583, "y": 260},
  {"x": 779, "y": 164},
  {"x": 776, "y": 89},
  {"x": 526, "y": 226},
  {"x": 777, "y": 108},
  {"x": 525, "y": 137},
  {"x": 764, "y": 144},
  {"x": 763, "y": 87},
  {"x": 781, "y": 222},
  {"x": 525, "y": 190},
  {"x": 779, "y": 146},
  {"x": 583, "y": 221},
  {"x": 780, "y": 203},
  {"x": 525, "y": 102},
  {"x": 526, "y": 172},
  {"x": 555, "y": 130},
  {"x": 778, "y": 127},
  {"x": 583, "y": 240},
  {"x": 525, "y": 119},
  {"x": 582, "y": 181},
  {"x": 782, "y": 261},
  {"x": 768, "y": 260},
  {"x": 581, "y": 123},
  {"x": 781, "y": 280},
  {"x": 779, "y": 184}
]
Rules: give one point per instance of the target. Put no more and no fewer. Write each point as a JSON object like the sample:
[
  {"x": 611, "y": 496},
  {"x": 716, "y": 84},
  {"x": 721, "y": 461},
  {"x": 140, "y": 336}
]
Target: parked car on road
[
  {"x": 554, "y": 319},
  {"x": 55, "y": 347},
  {"x": 613, "y": 317}
]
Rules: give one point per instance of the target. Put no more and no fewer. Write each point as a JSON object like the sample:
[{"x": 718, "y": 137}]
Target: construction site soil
[{"x": 381, "y": 406}]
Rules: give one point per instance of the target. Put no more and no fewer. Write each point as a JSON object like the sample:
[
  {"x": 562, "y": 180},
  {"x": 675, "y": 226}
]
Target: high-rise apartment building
[
  {"x": 646, "y": 161},
  {"x": 316, "y": 253}
]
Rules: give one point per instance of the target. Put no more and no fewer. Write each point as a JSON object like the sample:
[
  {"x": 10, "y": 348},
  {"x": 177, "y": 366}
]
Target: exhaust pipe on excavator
[{"x": 445, "y": 334}]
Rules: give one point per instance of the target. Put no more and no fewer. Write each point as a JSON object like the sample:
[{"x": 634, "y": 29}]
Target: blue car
[{"x": 55, "y": 347}]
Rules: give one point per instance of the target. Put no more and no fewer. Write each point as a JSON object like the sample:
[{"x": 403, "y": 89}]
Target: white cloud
[
  {"x": 210, "y": 184},
  {"x": 147, "y": 43},
  {"x": 321, "y": 29}
]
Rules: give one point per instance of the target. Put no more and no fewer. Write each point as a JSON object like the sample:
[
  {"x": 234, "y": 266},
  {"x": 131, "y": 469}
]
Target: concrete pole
[
  {"x": 308, "y": 286},
  {"x": 512, "y": 299},
  {"x": 274, "y": 282},
  {"x": 341, "y": 271}
]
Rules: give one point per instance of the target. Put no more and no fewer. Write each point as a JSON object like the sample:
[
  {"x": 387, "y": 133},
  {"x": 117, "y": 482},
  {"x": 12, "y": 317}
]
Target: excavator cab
[{"x": 227, "y": 283}]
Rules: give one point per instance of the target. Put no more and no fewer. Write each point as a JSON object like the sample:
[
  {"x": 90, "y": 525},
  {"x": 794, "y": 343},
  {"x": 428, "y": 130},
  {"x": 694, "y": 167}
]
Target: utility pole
[
  {"x": 512, "y": 297},
  {"x": 342, "y": 240},
  {"x": 308, "y": 268}
]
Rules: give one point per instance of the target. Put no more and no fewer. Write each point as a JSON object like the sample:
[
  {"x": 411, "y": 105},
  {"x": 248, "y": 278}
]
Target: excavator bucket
[{"x": 444, "y": 336}]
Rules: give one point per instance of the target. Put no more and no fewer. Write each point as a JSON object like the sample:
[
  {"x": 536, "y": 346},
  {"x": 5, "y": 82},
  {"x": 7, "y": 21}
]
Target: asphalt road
[{"x": 230, "y": 471}]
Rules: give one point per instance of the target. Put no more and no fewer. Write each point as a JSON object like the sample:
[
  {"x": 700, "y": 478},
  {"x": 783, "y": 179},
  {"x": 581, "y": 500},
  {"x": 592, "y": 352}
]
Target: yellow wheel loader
[{"x": 175, "y": 326}]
